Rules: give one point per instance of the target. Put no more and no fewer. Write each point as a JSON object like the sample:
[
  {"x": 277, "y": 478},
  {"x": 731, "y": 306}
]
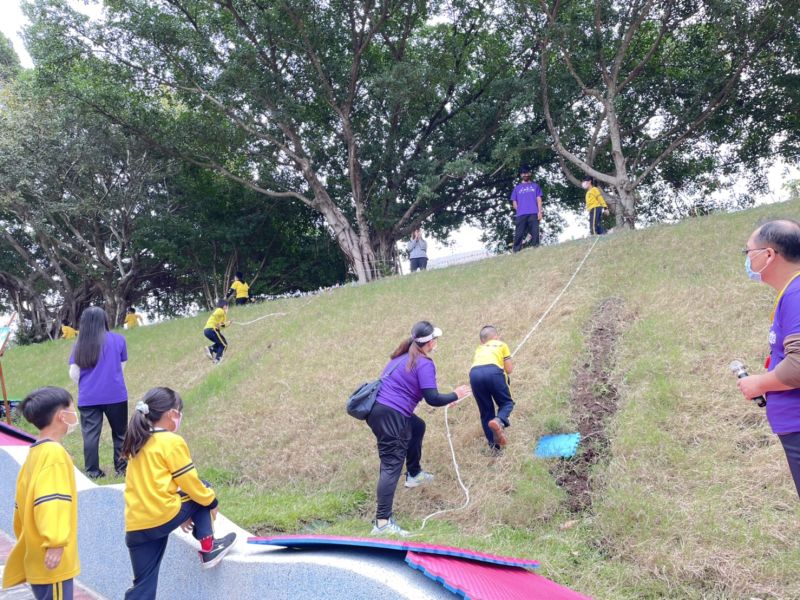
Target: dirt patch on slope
[{"x": 594, "y": 399}]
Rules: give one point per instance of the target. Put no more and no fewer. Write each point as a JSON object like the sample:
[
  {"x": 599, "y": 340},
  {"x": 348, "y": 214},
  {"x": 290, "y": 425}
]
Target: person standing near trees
[
  {"x": 132, "y": 319},
  {"x": 527, "y": 201},
  {"x": 772, "y": 256},
  {"x": 96, "y": 365},
  {"x": 417, "y": 251},
  {"x": 239, "y": 289},
  {"x": 596, "y": 205},
  {"x": 409, "y": 377}
]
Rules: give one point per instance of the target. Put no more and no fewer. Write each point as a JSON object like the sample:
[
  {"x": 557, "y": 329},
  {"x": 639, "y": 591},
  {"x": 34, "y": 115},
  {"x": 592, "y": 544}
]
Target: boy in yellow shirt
[
  {"x": 67, "y": 332},
  {"x": 596, "y": 205},
  {"x": 240, "y": 289},
  {"x": 132, "y": 319},
  {"x": 217, "y": 320},
  {"x": 45, "y": 506},
  {"x": 488, "y": 378}
]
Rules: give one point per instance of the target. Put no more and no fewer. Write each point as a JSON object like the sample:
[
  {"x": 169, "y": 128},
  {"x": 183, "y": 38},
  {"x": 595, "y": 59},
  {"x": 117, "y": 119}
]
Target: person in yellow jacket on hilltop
[
  {"x": 217, "y": 320},
  {"x": 132, "y": 319},
  {"x": 240, "y": 289},
  {"x": 68, "y": 332},
  {"x": 46, "y": 502},
  {"x": 163, "y": 492},
  {"x": 596, "y": 205}
]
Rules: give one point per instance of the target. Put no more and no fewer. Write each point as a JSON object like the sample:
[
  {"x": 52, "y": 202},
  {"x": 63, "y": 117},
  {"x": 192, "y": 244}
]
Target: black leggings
[
  {"x": 399, "y": 440},
  {"x": 219, "y": 342},
  {"x": 92, "y": 424},
  {"x": 791, "y": 446}
]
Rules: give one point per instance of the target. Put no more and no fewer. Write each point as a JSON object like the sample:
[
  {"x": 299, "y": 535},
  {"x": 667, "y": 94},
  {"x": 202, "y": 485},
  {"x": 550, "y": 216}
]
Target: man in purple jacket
[
  {"x": 773, "y": 257},
  {"x": 527, "y": 201}
]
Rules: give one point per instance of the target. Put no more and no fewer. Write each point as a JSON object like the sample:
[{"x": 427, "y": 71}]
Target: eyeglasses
[{"x": 745, "y": 251}]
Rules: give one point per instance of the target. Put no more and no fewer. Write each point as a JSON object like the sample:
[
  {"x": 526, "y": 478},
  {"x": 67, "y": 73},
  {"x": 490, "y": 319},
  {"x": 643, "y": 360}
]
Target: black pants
[
  {"x": 147, "y": 546},
  {"x": 92, "y": 425},
  {"x": 399, "y": 440},
  {"x": 490, "y": 387},
  {"x": 596, "y": 221},
  {"x": 240, "y": 301},
  {"x": 525, "y": 224},
  {"x": 419, "y": 264},
  {"x": 791, "y": 446},
  {"x": 219, "y": 343}
]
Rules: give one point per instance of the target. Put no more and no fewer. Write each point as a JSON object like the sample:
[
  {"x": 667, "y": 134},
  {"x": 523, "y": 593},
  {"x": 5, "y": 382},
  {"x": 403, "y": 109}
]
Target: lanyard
[{"x": 780, "y": 295}]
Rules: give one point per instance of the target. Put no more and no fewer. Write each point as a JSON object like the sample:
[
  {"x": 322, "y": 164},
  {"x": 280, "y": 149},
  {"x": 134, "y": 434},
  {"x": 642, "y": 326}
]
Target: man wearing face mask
[
  {"x": 596, "y": 205},
  {"x": 773, "y": 257},
  {"x": 527, "y": 201}
]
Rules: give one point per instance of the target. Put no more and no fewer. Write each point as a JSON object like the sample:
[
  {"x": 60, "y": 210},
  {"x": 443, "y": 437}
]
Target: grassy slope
[{"x": 695, "y": 500}]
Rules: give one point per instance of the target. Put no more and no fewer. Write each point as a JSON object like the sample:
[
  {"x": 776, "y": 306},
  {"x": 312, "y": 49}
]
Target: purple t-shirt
[
  {"x": 104, "y": 384},
  {"x": 525, "y": 195},
  {"x": 783, "y": 408},
  {"x": 402, "y": 390}
]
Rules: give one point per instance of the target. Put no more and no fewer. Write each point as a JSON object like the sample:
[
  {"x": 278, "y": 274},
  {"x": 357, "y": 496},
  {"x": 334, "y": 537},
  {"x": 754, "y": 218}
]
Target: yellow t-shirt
[
  {"x": 594, "y": 198},
  {"x": 68, "y": 333},
  {"x": 241, "y": 288},
  {"x": 45, "y": 516},
  {"x": 493, "y": 352},
  {"x": 132, "y": 320},
  {"x": 154, "y": 476},
  {"x": 216, "y": 320}
]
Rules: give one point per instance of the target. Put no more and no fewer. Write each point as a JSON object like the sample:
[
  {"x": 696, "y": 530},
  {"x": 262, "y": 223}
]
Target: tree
[
  {"x": 369, "y": 112},
  {"x": 641, "y": 90}
]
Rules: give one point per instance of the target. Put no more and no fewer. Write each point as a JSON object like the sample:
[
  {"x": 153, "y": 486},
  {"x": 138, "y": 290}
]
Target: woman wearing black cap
[
  {"x": 409, "y": 377},
  {"x": 527, "y": 201}
]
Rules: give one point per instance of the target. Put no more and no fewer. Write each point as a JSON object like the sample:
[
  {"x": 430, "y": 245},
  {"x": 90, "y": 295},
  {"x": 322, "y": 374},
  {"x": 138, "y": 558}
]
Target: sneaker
[
  {"x": 216, "y": 361},
  {"x": 419, "y": 479},
  {"x": 95, "y": 474},
  {"x": 208, "y": 353},
  {"x": 391, "y": 528},
  {"x": 220, "y": 548},
  {"x": 499, "y": 431}
]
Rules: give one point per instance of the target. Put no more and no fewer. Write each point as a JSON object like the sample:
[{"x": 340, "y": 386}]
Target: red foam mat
[
  {"x": 311, "y": 540},
  {"x": 11, "y": 436},
  {"x": 480, "y": 581}
]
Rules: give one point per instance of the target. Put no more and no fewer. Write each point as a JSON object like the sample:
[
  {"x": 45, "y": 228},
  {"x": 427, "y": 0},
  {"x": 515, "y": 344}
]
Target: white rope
[
  {"x": 522, "y": 343},
  {"x": 258, "y": 319}
]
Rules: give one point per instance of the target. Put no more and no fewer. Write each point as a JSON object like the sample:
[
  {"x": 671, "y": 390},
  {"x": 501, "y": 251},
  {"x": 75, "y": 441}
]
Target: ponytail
[
  {"x": 410, "y": 347},
  {"x": 148, "y": 411}
]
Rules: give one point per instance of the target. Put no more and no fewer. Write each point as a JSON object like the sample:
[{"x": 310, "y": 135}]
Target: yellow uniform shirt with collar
[
  {"x": 594, "y": 198},
  {"x": 493, "y": 352},
  {"x": 68, "y": 333},
  {"x": 241, "y": 288},
  {"x": 45, "y": 516},
  {"x": 216, "y": 320},
  {"x": 154, "y": 477},
  {"x": 132, "y": 320}
]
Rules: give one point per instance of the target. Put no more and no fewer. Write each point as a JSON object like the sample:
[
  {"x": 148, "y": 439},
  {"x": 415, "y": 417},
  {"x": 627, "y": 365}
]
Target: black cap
[{"x": 524, "y": 169}]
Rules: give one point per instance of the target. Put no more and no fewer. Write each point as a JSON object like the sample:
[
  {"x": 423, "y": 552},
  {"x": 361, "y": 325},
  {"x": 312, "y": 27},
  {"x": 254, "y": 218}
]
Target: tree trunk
[{"x": 625, "y": 209}]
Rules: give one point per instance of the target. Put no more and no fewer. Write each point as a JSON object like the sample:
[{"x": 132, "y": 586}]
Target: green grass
[{"x": 694, "y": 499}]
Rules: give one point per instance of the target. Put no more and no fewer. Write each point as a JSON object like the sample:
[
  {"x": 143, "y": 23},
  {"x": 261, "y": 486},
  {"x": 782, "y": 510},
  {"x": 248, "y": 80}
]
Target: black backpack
[{"x": 360, "y": 402}]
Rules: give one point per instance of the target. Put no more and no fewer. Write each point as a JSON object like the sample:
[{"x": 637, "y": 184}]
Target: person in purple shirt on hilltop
[
  {"x": 527, "y": 201},
  {"x": 409, "y": 377},
  {"x": 773, "y": 257},
  {"x": 96, "y": 365}
]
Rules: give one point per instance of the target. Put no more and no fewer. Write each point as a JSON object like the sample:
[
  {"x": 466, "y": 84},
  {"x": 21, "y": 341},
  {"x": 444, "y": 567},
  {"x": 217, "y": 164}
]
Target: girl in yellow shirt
[{"x": 163, "y": 492}]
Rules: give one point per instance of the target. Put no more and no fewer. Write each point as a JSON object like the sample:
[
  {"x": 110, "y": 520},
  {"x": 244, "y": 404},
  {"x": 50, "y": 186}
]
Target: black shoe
[
  {"x": 95, "y": 474},
  {"x": 218, "y": 550}
]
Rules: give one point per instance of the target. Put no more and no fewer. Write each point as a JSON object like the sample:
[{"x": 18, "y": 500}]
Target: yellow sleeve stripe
[
  {"x": 183, "y": 470},
  {"x": 49, "y": 497}
]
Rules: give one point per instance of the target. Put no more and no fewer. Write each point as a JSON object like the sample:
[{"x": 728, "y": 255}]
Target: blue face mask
[{"x": 750, "y": 273}]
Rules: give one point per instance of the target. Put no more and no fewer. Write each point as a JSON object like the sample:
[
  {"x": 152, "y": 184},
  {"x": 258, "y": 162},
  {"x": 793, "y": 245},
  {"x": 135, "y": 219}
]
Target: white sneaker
[
  {"x": 419, "y": 479},
  {"x": 391, "y": 528},
  {"x": 208, "y": 353}
]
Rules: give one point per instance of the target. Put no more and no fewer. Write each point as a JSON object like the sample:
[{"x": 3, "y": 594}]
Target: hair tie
[{"x": 142, "y": 408}]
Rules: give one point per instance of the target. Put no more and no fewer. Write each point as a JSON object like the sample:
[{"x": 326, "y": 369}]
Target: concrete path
[{"x": 23, "y": 592}]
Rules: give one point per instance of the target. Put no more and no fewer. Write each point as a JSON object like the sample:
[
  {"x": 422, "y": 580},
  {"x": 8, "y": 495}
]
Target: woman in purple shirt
[
  {"x": 96, "y": 365},
  {"x": 409, "y": 377}
]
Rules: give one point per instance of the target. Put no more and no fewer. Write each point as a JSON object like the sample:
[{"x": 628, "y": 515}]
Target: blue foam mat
[{"x": 560, "y": 445}]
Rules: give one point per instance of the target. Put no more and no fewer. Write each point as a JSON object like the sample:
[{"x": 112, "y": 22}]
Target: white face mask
[
  {"x": 72, "y": 426},
  {"x": 586, "y": 185}
]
